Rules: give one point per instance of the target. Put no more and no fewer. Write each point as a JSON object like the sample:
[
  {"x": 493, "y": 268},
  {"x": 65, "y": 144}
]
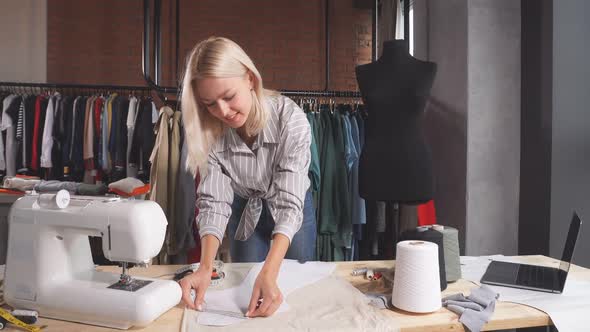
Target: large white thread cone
[
  {"x": 416, "y": 285},
  {"x": 59, "y": 200}
]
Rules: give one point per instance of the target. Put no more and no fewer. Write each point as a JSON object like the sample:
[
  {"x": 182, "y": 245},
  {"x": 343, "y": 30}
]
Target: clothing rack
[
  {"x": 98, "y": 88},
  {"x": 312, "y": 93},
  {"x": 90, "y": 87}
]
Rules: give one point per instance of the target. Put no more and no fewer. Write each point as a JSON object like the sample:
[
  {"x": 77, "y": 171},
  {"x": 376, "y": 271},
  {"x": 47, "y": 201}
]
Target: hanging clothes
[
  {"x": 131, "y": 115},
  {"x": 38, "y": 125},
  {"x": 333, "y": 172},
  {"x": 184, "y": 206},
  {"x": 351, "y": 158},
  {"x": 118, "y": 138},
  {"x": 143, "y": 140},
  {"x": 63, "y": 137},
  {"x": 77, "y": 144},
  {"x": 159, "y": 172},
  {"x": 314, "y": 166},
  {"x": 47, "y": 140},
  {"x": 173, "y": 170},
  {"x": 358, "y": 209},
  {"x": 10, "y": 111},
  {"x": 2, "y": 138},
  {"x": 25, "y": 148}
]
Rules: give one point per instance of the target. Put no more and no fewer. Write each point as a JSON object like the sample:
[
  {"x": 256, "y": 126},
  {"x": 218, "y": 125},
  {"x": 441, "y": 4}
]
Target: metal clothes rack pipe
[
  {"x": 146, "y": 52},
  {"x": 309, "y": 93},
  {"x": 74, "y": 86},
  {"x": 327, "y": 32},
  {"x": 374, "y": 24},
  {"x": 315, "y": 93},
  {"x": 177, "y": 38},
  {"x": 158, "y": 42}
]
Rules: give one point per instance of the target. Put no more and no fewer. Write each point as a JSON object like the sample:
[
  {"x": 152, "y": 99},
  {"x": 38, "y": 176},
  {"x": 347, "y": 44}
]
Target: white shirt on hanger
[
  {"x": 47, "y": 143},
  {"x": 9, "y": 153}
]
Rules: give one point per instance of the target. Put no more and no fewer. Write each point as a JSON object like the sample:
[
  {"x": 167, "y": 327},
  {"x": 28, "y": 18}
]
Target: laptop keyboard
[{"x": 536, "y": 276}]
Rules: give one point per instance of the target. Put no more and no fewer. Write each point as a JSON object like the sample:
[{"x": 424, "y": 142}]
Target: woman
[{"x": 251, "y": 148}]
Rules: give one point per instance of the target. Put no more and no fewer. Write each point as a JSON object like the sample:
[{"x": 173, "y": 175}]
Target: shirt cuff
[
  {"x": 211, "y": 231},
  {"x": 215, "y": 225},
  {"x": 287, "y": 230}
]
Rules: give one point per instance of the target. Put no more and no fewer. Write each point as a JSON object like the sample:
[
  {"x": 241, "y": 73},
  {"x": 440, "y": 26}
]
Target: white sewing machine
[{"x": 49, "y": 266}]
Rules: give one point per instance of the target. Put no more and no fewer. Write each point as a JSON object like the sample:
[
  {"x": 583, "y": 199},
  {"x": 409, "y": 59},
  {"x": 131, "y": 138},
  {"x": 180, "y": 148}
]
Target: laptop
[{"x": 534, "y": 277}]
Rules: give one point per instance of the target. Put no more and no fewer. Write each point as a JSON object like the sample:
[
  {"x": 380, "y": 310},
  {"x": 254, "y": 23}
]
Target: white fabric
[
  {"x": 126, "y": 185},
  {"x": 10, "y": 159},
  {"x": 568, "y": 311},
  {"x": 131, "y": 115},
  {"x": 330, "y": 304},
  {"x": 47, "y": 143},
  {"x": 6, "y": 119},
  {"x": 2, "y": 267},
  {"x": 292, "y": 275},
  {"x": 155, "y": 114},
  {"x": 19, "y": 183},
  {"x": 8, "y": 156},
  {"x": 5, "y": 105}
]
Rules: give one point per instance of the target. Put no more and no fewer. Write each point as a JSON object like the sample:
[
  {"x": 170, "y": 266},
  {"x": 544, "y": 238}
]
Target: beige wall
[{"x": 23, "y": 34}]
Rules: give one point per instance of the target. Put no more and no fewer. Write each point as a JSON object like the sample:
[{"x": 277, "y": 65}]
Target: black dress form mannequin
[{"x": 395, "y": 164}]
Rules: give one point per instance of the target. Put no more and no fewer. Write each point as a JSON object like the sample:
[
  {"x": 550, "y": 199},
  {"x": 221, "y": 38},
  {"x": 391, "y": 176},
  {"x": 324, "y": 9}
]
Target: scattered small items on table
[{"x": 21, "y": 318}]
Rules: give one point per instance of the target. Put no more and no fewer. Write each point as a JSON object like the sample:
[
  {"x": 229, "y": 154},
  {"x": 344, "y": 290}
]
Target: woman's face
[{"x": 227, "y": 99}]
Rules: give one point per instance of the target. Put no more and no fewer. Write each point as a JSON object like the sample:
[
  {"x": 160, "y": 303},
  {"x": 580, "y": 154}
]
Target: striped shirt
[{"x": 274, "y": 168}]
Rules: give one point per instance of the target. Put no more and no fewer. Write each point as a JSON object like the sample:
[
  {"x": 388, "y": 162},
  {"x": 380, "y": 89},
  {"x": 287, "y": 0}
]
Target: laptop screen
[{"x": 568, "y": 250}]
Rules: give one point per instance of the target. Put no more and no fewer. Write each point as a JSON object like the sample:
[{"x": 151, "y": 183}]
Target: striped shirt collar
[{"x": 230, "y": 140}]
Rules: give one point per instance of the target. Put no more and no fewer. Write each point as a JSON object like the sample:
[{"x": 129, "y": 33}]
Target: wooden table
[{"x": 506, "y": 316}]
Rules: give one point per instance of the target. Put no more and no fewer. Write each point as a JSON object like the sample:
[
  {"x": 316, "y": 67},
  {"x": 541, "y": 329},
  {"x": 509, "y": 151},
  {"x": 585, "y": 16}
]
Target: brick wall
[{"x": 99, "y": 42}]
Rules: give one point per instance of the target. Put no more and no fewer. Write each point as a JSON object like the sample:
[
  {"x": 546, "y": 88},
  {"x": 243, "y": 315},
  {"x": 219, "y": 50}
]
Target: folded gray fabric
[
  {"x": 381, "y": 301},
  {"x": 92, "y": 189},
  {"x": 474, "y": 310},
  {"x": 54, "y": 186},
  {"x": 73, "y": 187}
]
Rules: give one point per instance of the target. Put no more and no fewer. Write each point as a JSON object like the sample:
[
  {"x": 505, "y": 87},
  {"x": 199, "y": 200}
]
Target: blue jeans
[{"x": 256, "y": 247}]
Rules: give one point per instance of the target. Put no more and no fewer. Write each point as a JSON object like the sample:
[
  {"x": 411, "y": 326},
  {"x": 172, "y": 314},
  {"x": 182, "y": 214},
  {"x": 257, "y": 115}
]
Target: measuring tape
[
  {"x": 217, "y": 275},
  {"x": 10, "y": 318},
  {"x": 217, "y": 278}
]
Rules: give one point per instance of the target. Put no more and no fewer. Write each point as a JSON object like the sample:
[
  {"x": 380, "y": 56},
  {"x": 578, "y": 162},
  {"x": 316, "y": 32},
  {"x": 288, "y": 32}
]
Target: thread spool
[
  {"x": 59, "y": 200},
  {"x": 416, "y": 286},
  {"x": 428, "y": 234},
  {"x": 437, "y": 227},
  {"x": 451, "y": 252}
]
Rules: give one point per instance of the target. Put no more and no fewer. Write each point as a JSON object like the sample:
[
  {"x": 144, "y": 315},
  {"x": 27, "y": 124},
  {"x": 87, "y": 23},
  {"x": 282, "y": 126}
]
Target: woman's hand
[
  {"x": 267, "y": 291},
  {"x": 199, "y": 281}
]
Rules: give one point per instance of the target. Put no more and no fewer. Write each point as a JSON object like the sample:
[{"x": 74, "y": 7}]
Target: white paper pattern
[{"x": 292, "y": 275}]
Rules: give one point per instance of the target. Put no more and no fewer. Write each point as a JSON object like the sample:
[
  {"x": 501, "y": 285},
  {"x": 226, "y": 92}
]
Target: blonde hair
[{"x": 215, "y": 57}]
